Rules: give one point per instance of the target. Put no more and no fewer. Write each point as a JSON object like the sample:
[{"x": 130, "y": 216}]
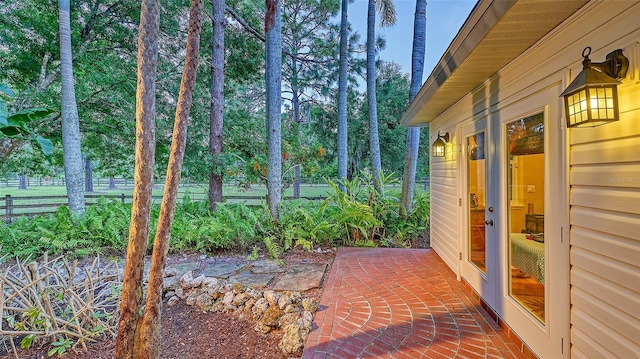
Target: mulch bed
[{"x": 189, "y": 333}]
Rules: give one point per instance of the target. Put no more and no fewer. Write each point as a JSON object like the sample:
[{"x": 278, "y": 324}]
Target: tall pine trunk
[
  {"x": 374, "y": 141},
  {"x": 73, "y": 166},
  {"x": 342, "y": 94},
  {"x": 216, "y": 118},
  {"x": 295, "y": 100},
  {"x": 273, "y": 77},
  {"x": 131, "y": 296},
  {"x": 413, "y": 133}
]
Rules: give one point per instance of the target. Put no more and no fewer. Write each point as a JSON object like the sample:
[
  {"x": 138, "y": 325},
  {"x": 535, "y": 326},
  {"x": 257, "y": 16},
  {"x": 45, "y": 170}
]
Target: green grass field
[
  {"x": 251, "y": 196},
  {"x": 193, "y": 191}
]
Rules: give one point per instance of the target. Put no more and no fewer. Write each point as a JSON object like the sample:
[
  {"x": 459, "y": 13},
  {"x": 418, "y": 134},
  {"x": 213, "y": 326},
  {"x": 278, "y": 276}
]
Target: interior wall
[{"x": 531, "y": 190}]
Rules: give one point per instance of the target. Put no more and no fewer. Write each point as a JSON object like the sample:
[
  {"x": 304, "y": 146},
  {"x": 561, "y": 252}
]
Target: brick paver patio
[{"x": 401, "y": 303}]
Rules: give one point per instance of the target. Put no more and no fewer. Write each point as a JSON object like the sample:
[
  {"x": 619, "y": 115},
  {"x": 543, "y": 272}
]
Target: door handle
[{"x": 489, "y": 222}]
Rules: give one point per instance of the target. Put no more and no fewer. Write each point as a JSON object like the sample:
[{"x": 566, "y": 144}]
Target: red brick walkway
[{"x": 401, "y": 303}]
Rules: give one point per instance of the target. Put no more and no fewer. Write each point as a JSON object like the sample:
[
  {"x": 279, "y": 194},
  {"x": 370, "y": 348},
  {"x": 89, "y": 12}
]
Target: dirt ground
[{"x": 189, "y": 333}]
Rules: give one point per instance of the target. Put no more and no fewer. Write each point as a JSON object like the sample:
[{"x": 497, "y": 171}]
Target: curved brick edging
[{"x": 401, "y": 303}]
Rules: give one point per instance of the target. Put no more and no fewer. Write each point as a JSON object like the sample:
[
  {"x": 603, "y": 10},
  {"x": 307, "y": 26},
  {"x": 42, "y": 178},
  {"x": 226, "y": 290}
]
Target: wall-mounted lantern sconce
[
  {"x": 440, "y": 144},
  {"x": 592, "y": 97}
]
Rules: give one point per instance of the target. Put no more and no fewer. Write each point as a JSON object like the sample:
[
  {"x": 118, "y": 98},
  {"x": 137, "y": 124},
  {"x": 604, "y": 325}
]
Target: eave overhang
[{"x": 495, "y": 33}]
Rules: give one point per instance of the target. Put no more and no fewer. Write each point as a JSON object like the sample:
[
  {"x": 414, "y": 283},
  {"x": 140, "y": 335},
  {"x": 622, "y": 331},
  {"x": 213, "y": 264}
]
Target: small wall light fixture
[
  {"x": 592, "y": 97},
  {"x": 440, "y": 144}
]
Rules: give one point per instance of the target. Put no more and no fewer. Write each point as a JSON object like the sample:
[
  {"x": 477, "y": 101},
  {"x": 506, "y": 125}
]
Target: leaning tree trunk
[
  {"x": 131, "y": 298},
  {"x": 374, "y": 141},
  {"x": 149, "y": 344},
  {"x": 216, "y": 117},
  {"x": 413, "y": 134},
  {"x": 70, "y": 123},
  {"x": 342, "y": 94},
  {"x": 273, "y": 77}
]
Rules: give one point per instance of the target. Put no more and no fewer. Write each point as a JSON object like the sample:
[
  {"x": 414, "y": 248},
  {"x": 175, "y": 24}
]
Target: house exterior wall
[
  {"x": 605, "y": 228},
  {"x": 444, "y": 212},
  {"x": 602, "y": 169}
]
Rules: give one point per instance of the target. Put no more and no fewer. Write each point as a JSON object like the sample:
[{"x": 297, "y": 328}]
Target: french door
[
  {"x": 479, "y": 250},
  {"x": 530, "y": 164},
  {"x": 514, "y": 242}
]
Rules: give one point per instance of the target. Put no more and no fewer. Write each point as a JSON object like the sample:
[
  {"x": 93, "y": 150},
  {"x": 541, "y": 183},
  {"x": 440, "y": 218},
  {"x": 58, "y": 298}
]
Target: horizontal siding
[
  {"x": 586, "y": 345},
  {"x": 610, "y": 199},
  {"x": 625, "y": 300},
  {"x": 619, "y": 248},
  {"x": 617, "y": 151},
  {"x": 578, "y": 354},
  {"x": 625, "y": 176},
  {"x": 606, "y": 267},
  {"x": 619, "y": 346},
  {"x": 616, "y": 223},
  {"x": 628, "y": 327},
  {"x": 444, "y": 212},
  {"x": 605, "y": 232},
  {"x": 624, "y": 128}
]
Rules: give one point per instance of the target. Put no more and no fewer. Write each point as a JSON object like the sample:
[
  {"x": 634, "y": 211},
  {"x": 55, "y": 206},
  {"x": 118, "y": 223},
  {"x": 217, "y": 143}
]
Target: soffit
[{"x": 496, "y": 32}]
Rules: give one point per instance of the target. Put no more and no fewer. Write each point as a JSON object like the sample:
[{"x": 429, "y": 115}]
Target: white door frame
[{"x": 548, "y": 340}]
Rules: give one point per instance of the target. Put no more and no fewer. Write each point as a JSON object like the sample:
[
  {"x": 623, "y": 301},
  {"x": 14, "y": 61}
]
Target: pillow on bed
[{"x": 539, "y": 237}]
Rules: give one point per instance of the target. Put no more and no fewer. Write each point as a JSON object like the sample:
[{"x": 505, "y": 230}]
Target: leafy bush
[
  {"x": 104, "y": 228},
  {"x": 230, "y": 226}
]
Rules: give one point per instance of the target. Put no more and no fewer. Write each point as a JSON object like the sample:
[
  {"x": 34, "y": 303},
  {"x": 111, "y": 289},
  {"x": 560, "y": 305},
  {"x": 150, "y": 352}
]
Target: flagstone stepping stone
[
  {"x": 222, "y": 269},
  {"x": 258, "y": 281},
  {"x": 182, "y": 268},
  {"x": 266, "y": 266},
  {"x": 302, "y": 277}
]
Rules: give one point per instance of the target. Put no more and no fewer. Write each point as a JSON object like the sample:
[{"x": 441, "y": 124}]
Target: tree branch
[{"x": 261, "y": 37}]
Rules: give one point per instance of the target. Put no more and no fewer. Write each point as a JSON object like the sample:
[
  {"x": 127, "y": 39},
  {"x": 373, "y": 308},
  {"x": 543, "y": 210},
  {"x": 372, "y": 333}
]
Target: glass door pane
[
  {"x": 525, "y": 181},
  {"x": 476, "y": 187}
]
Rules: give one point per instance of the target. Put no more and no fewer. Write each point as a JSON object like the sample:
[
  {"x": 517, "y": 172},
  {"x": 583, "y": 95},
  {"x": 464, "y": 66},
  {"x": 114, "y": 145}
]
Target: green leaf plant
[{"x": 16, "y": 125}]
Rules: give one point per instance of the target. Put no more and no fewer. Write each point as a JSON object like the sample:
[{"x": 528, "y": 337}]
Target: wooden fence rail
[{"x": 39, "y": 205}]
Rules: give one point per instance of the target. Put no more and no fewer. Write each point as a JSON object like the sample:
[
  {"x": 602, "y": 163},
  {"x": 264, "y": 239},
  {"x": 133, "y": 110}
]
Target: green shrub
[
  {"x": 230, "y": 226},
  {"x": 104, "y": 228},
  {"x": 357, "y": 216}
]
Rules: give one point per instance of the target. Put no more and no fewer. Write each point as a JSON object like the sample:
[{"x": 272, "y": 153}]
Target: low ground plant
[{"x": 353, "y": 214}]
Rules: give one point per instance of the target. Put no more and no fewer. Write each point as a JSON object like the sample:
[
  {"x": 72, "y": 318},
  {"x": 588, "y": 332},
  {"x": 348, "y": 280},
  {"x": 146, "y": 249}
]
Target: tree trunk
[
  {"x": 88, "y": 175},
  {"x": 216, "y": 118},
  {"x": 342, "y": 94},
  {"x": 70, "y": 122},
  {"x": 130, "y": 306},
  {"x": 22, "y": 182},
  {"x": 296, "y": 182},
  {"x": 374, "y": 141},
  {"x": 150, "y": 326},
  {"x": 273, "y": 77},
  {"x": 295, "y": 100},
  {"x": 413, "y": 134}
]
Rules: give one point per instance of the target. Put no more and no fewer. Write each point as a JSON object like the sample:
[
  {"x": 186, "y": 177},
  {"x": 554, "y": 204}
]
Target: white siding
[
  {"x": 605, "y": 232},
  {"x": 444, "y": 197}
]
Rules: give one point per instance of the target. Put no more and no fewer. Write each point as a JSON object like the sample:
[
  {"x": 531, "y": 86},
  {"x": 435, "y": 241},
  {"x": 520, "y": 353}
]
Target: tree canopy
[{"x": 103, "y": 38}]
